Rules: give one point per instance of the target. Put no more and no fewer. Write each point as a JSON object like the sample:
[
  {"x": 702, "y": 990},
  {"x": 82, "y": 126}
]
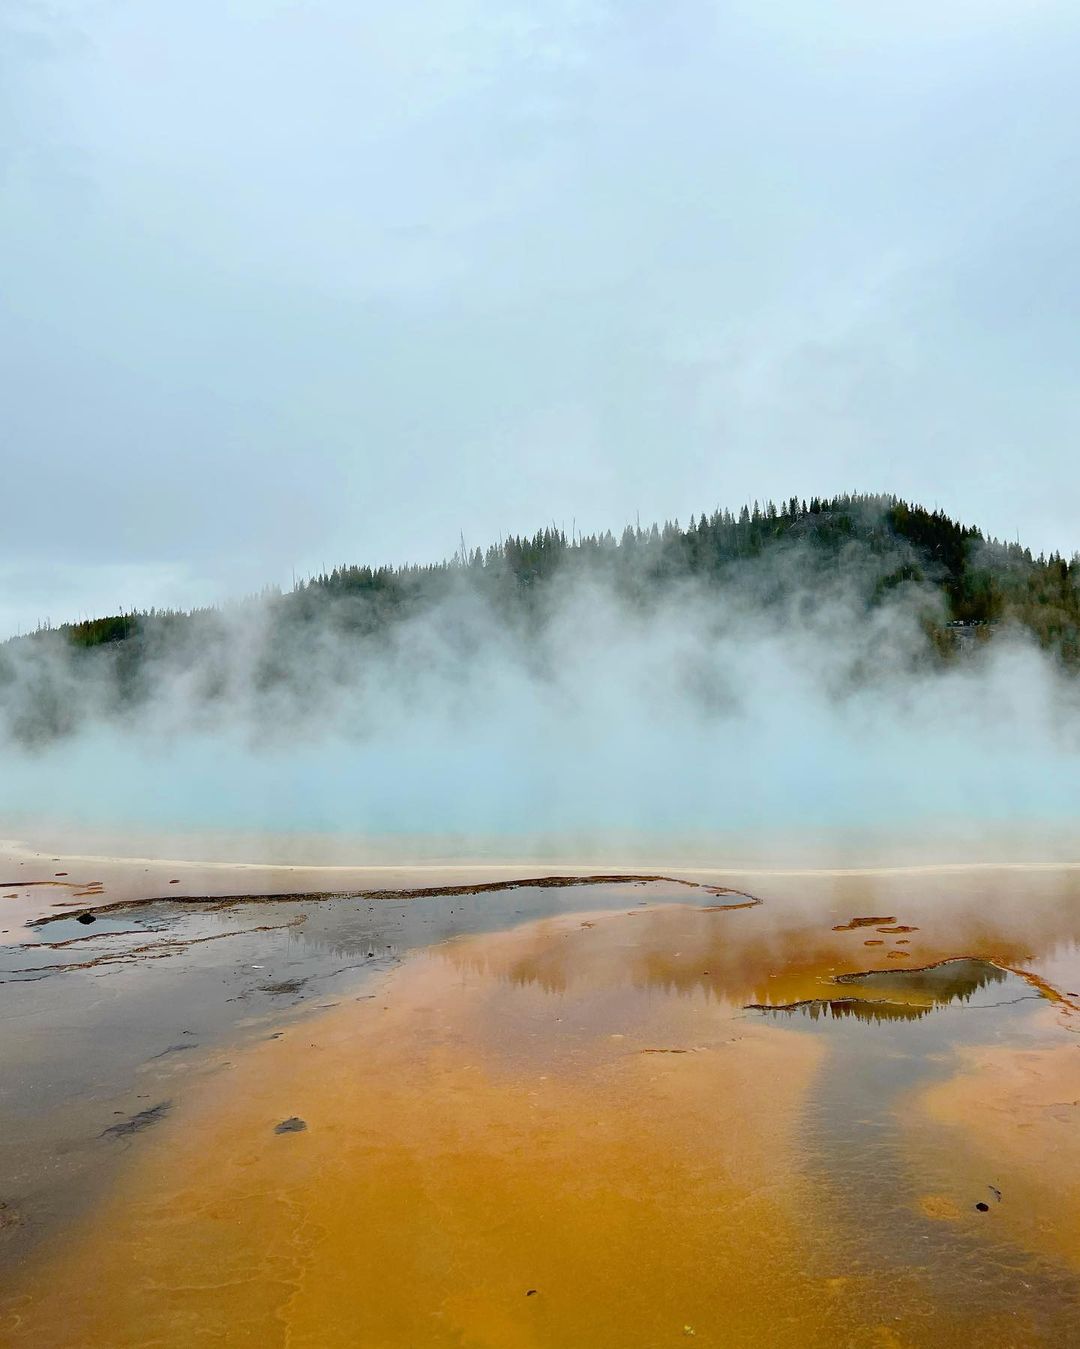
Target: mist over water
[{"x": 777, "y": 705}]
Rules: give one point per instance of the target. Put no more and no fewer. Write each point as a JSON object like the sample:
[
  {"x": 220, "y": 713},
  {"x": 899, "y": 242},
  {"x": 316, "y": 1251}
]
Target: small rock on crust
[{"x": 293, "y": 1125}]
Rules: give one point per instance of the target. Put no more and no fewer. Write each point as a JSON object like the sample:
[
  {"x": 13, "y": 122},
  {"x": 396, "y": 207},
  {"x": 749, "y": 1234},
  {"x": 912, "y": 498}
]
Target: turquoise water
[{"x": 435, "y": 780}]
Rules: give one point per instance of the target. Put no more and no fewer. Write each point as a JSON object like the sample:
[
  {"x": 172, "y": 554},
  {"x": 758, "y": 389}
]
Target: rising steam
[{"x": 792, "y": 698}]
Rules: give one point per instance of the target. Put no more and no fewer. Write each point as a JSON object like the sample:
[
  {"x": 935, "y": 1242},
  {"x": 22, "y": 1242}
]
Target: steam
[{"x": 600, "y": 718}]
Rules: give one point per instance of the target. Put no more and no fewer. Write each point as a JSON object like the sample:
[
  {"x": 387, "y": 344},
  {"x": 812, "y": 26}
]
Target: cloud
[{"x": 287, "y": 283}]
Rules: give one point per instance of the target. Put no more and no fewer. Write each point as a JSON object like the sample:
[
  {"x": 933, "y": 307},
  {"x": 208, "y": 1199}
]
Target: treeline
[
  {"x": 283, "y": 650},
  {"x": 982, "y": 582}
]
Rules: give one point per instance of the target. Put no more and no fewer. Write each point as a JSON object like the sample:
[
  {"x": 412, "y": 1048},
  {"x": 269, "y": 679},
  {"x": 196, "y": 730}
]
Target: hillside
[
  {"x": 982, "y": 581},
  {"x": 875, "y": 550}
]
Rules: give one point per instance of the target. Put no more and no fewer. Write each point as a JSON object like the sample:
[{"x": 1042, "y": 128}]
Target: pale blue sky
[{"x": 285, "y": 284}]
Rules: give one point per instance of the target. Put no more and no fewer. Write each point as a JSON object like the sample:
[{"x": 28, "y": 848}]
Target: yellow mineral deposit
[
  {"x": 571, "y": 1133},
  {"x": 1011, "y": 1117},
  {"x": 483, "y": 1164}
]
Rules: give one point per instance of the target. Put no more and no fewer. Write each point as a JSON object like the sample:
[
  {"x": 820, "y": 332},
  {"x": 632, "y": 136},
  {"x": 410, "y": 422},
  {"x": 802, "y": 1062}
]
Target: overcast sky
[{"x": 294, "y": 283}]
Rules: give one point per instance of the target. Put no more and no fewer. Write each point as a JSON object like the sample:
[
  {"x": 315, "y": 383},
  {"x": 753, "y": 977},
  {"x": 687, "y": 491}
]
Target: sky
[{"x": 289, "y": 284}]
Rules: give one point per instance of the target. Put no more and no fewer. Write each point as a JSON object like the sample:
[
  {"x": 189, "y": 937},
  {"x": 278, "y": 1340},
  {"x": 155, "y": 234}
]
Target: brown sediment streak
[
  {"x": 148, "y": 951},
  {"x": 63, "y": 885},
  {"x": 872, "y": 921},
  {"x": 424, "y": 892},
  {"x": 97, "y": 936}
]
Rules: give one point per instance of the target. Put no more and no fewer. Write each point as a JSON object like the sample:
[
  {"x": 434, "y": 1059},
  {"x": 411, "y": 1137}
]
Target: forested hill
[
  {"x": 982, "y": 581},
  {"x": 861, "y": 553}
]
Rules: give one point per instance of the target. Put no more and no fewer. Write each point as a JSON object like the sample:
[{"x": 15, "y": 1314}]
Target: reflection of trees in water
[
  {"x": 683, "y": 951},
  {"x": 862, "y": 1009},
  {"x": 933, "y": 987},
  {"x": 678, "y": 950},
  {"x": 949, "y": 981}
]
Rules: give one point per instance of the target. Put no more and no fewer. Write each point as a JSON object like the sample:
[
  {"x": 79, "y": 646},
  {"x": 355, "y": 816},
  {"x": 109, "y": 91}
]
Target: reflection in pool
[{"x": 902, "y": 995}]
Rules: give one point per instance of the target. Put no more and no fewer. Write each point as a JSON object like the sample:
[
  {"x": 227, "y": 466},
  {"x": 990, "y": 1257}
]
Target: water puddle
[{"x": 633, "y": 1116}]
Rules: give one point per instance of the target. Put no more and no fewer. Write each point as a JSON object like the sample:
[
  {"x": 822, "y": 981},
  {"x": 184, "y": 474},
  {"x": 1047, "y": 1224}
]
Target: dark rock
[
  {"x": 293, "y": 1125},
  {"x": 86, "y": 918},
  {"x": 983, "y": 1208},
  {"x": 134, "y": 1123}
]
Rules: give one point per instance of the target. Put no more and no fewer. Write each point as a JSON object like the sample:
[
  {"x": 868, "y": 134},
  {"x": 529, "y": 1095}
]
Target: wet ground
[{"x": 627, "y": 1113}]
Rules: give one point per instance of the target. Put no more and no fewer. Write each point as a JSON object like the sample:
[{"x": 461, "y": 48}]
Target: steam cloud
[{"x": 779, "y": 702}]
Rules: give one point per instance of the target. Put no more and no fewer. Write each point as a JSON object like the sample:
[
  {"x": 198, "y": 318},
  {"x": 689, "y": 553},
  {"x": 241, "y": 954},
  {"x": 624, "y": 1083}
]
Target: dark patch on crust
[
  {"x": 283, "y": 987},
  {"x": 175, "y": 1049}
]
